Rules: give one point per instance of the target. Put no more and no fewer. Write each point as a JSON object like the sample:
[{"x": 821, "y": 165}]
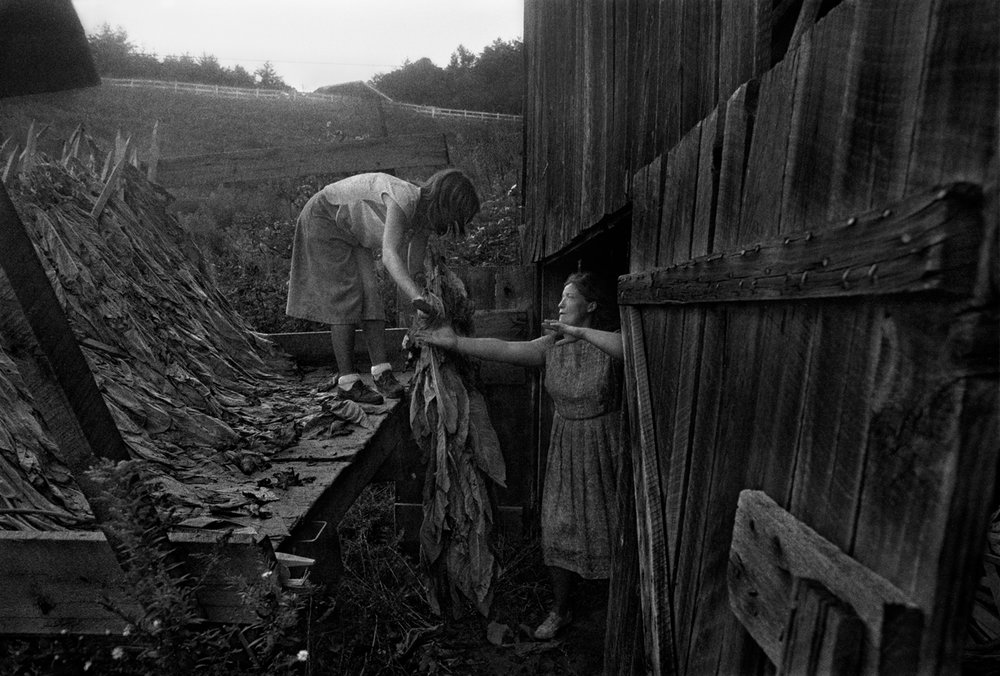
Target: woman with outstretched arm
[{"x": 582, "y": 375}]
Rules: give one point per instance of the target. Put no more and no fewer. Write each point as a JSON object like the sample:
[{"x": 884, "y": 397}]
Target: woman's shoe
[
  {"x": 552, "y": 624},
  {"x": 387, "y": 385},
  {"x": 360, "y": 393}
]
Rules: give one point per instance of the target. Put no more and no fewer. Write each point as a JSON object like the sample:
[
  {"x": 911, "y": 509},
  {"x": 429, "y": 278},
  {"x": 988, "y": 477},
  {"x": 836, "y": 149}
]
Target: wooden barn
[{"x": 799, "y": 201}]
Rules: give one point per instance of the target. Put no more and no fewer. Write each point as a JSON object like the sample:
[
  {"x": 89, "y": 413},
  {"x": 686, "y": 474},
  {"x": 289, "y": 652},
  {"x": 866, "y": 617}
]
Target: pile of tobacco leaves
[{"x": 195, "y": 392}]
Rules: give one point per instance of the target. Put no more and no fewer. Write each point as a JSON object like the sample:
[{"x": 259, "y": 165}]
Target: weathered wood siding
[
  {"x": 611, "y": 85},
  {"x": 872, "y": 419}
]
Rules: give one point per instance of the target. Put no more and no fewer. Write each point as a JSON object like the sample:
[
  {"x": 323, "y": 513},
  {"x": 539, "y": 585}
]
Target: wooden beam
[
  {"x": 42, "y": 339},
  {"x": 929, "y": 242},
  {"x": 770, "y": 548},
  {"x": 64, "y": 580},
  {"x": 375, "y": 154}
]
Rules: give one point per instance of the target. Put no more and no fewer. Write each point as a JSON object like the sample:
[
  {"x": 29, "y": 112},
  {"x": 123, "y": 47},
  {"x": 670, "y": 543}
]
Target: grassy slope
[
  {"x": 246, "y": 230},
  {"x": 188, "y": 123},
  {"x": 194, "y": 123}
]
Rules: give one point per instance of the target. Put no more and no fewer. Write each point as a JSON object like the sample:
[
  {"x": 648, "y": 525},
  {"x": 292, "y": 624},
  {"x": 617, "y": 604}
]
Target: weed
[{"x": 168, "y": 634}]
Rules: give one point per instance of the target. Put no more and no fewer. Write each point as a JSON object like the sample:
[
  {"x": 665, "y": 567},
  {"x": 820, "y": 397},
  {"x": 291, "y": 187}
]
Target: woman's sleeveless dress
[
  {"x": 332, "y": 271},
  {"x": 578, "y": 500}
]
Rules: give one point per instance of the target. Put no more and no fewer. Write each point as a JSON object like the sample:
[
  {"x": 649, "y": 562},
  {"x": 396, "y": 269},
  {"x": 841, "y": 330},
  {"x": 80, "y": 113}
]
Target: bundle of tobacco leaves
[
  {"x": 193, "y": 389},
  {"x": 451, "y": 425}
]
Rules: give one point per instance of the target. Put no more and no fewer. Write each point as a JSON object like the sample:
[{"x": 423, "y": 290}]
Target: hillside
[
  {"x": 245, "y": 231},
  {"x": 188, "y": 123}
]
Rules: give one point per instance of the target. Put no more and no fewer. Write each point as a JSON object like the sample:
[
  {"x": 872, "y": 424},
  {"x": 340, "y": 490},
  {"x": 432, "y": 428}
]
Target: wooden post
[{"x": 154, "y": 153}]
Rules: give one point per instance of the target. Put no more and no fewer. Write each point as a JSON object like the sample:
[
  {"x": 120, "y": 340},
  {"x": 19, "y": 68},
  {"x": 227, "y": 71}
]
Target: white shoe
[{"x": 552, "y": 624}]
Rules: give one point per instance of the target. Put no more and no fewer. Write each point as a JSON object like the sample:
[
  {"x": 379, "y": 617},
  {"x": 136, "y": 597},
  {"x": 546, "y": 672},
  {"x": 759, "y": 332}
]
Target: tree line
[
  {"x": 115, "y": 56},
  {"x": 491, "y": 81}
]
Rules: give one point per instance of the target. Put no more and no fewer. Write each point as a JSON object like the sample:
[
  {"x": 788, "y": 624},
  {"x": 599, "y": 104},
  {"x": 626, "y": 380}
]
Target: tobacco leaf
[{"x": 450, "y": 425}]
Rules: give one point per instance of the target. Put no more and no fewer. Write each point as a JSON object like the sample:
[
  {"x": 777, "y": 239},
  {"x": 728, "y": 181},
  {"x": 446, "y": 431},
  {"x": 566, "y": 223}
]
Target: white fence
[
  {"x": 434, "y": 111},
  {"x": 293, "y": 95},
  {"x": 225, "y": 92}
]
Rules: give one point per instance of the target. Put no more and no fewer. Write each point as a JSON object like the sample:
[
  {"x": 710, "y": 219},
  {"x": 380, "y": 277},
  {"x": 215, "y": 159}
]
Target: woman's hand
[
  {"x": 441, "y": 336},
  {"x": 423, "y": 308},
  {"x": 565, "y": 333}
]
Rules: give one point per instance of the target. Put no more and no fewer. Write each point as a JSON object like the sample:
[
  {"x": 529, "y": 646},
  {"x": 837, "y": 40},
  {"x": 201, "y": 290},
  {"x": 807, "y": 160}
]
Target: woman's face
[{"x": 574, "y": 309}]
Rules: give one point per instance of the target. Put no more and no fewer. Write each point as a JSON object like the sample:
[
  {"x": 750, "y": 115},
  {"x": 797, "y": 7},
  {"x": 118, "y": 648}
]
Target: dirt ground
[{"x": 379, "y": 621}]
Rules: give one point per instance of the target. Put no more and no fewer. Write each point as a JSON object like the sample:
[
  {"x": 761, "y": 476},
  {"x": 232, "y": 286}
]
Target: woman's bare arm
[
  {"x": 608, "y": 341},
  {"x": 392, "y": 241},
  {"x": 520, "y": 352}
]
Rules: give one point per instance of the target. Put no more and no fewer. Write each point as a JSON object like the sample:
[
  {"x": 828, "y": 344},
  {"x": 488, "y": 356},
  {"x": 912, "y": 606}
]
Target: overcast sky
[{"x": 310, "y": 43}]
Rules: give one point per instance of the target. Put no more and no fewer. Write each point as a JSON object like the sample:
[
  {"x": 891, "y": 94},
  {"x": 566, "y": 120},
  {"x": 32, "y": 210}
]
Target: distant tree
[
  {"x": 238, "y": 76},
  {"x": 416, "y": 82},
  {"x": 499, "y": 72},
  {"x": 492, "y": 81},
  {"x": 461, "y": 58},
  {"x": 268, "y": 78},
  {"x": 111, "y": 49}
]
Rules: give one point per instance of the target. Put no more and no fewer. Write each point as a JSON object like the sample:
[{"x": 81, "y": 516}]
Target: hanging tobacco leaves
[{"x": 451, "y": 425}]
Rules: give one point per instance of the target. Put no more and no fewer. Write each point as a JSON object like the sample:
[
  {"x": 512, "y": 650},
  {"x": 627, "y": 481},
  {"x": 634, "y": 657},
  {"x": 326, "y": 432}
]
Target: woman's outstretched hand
[
  {"x": 440, "y": 336},
  {"x": 565, "y": 333}
]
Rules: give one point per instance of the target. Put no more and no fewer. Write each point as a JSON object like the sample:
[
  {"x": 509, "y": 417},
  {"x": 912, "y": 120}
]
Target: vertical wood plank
[
  {"x": 623, "y": 643},
  {"x": 736, "y": 141},
  {"x": 884, "y": 64},
  {"x": 702, "y": 465},
  {"x": 654, "y": 559},
  {"x": 678, "y": 200},
  {"x": 737, "y": 61},
  {"x": 760, "y": 209},
  {"x": 956, "y": 123},
  {"x": 824, "y": 635},
  {"x": 829, "y": 471},
  {"x": 818, "y": 105},
  {"x": 648, "y": 184},
  {"x": 707, "y": 191}
]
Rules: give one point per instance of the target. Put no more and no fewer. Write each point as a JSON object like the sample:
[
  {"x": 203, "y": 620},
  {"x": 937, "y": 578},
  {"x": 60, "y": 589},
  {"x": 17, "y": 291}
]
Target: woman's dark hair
[
  {"x": 450, "y": 201},
  {"x": 596, "y": 289}
]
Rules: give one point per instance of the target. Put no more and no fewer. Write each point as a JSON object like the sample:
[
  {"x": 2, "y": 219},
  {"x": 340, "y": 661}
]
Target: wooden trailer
[{"x": 799, "y": 199}]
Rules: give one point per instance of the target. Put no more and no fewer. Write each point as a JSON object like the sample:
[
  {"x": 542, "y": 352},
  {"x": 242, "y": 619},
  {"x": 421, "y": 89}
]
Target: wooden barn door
[
  {"x": 814, "y": 429},
  {"x": 811, "y": 353}
]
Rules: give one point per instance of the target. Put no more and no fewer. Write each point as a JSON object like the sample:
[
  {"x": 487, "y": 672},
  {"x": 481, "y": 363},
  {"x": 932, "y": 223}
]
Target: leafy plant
[{"x": 170, "y": 635}]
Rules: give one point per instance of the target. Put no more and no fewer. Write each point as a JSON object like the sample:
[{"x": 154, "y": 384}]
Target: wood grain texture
[
  {"x": 678, "y": 200},
  {"x": 929, "y": 242},
  {"x": 823, "y": 634},
  {"x": 654, "y": 559},
  {"x": 770, "y": 548}
]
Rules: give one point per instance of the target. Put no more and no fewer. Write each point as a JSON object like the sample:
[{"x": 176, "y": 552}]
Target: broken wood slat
[
  {"x": 824, "y": 635},
  {"x": 55, "y": 580},
  {"x": 377, "y": 154},
  {"x": 109, "y": 187},
  {"x": 769, "y": 545},
  {"x": 926, "y": 243},
  {"x": 34, "y": 322},
  {"x": 154, "y": 153}
]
